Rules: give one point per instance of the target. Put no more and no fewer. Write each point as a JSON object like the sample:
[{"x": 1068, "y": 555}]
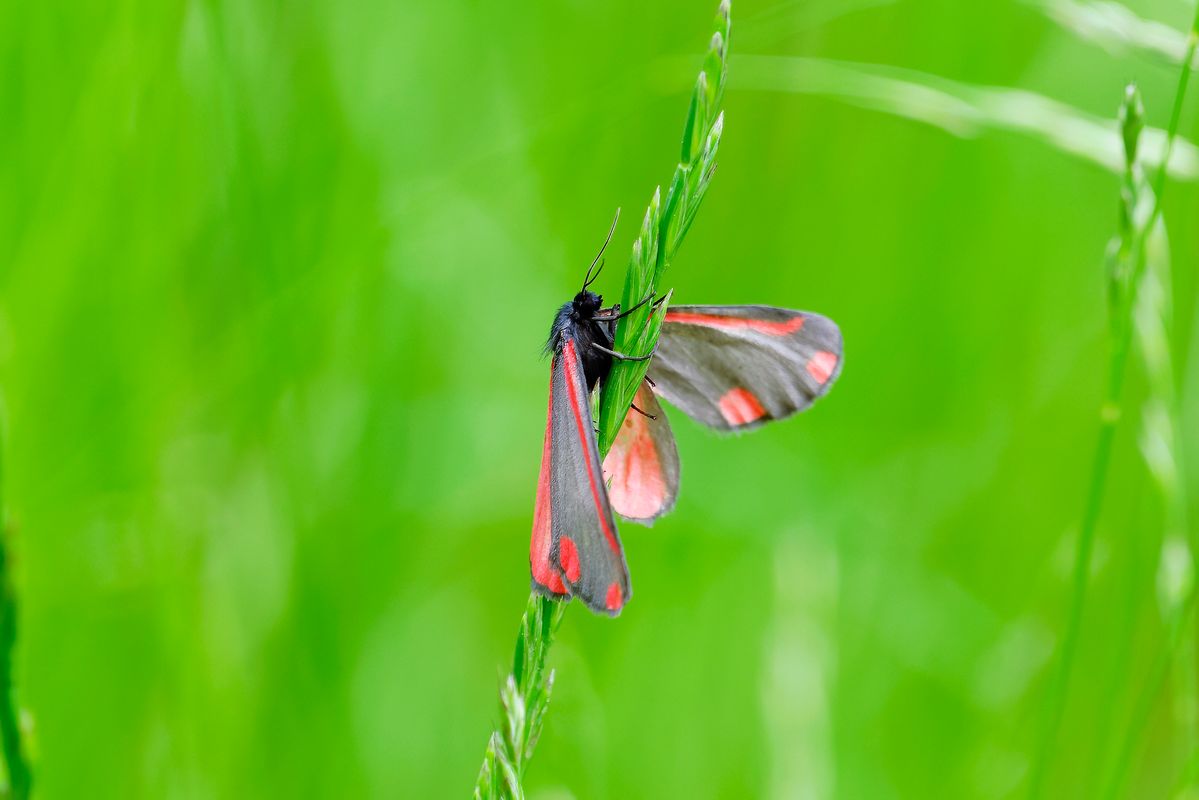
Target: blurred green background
[{"x": 274, "y": 279}]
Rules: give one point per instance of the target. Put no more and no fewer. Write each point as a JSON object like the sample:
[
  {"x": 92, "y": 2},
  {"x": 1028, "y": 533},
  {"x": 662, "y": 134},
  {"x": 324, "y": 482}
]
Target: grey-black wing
[
  {"x": 734, "y": 368},
  {"x": 573, "y": 507}
]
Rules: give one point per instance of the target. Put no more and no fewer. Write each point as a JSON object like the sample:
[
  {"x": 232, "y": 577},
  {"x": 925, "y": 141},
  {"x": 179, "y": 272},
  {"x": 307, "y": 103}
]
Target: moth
[{"x": 731, "y": 368}]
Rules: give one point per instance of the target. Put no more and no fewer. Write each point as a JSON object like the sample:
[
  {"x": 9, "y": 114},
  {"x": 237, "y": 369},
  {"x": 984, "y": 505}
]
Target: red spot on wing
[
  {"x": 568, "y": 556},
  {"x": 740, "y": 406},
  {"x": 821, "y": 365},
  {"x": 638, "y": 488},
  {"x": 769, "y": 327},
  {"x": 573, "y": 391},
  {"x": 615, "y": 598},
  {"x": 539, "y": 546}
]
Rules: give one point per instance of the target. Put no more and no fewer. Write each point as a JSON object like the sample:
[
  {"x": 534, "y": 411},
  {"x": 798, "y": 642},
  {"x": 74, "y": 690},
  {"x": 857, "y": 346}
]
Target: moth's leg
[
  {"x": 619, "y": 355},
  {"x": 642, "y": 413},
  {"x": 622, "y": 314}
]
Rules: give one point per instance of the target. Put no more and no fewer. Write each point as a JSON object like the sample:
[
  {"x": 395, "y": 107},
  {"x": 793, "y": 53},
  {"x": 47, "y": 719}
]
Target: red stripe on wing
[
  {"x": 539, "y": 546},
  {"x": 572, "y": 391},
  {"x": 739, "y": 406},
  {"x": 568, "y": 556},
  {"x": 768, "y": 327},
  {"x": 615, "y": 597},
  {"x": 821, "y": 365}
]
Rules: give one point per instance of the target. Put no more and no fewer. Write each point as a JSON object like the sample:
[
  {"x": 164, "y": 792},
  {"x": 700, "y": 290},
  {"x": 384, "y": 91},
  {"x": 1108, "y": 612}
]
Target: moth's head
[{"x": 587, "y": 303}]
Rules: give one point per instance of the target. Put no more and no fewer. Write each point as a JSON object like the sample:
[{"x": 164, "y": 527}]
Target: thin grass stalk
[
  {"x": 1163, "y": 451},
  {"x": 20, "y": 776},
  {"x": 525, "y": 693},
  {"x": 1164, "y": 454},
  {"x": 524, "y": 701},
  {"x": 1162, "y": 448},
  {"x": 1110, "y": 414}
]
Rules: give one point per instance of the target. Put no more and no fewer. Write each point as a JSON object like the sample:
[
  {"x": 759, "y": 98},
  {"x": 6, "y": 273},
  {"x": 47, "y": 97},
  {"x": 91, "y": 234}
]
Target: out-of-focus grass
[
  {"x": 17, "y": 780},
  {"x": 1137, "y": 261},
  {"x": 273, "y": 286}
]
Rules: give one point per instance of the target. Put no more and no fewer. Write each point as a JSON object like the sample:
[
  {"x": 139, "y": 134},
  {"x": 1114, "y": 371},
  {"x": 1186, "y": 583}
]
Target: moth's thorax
[{"x": 576, "y": 322}]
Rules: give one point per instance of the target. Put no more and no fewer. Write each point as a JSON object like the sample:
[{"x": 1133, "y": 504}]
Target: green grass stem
[
  {"x": 20, "y": 777},
  {"x": 525, "y": 693},
  {"x": 1110, "y": 414}
]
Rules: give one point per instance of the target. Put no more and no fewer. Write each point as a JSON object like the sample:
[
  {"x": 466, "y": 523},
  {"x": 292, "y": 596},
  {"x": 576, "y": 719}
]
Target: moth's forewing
[{"x": 585, "y": 548}]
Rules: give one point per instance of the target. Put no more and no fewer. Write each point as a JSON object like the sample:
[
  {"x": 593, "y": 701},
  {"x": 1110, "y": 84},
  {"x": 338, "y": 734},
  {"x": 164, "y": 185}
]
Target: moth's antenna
[
  {"x": 592, "y": 278},
  {"x": 589, "y": 279}
]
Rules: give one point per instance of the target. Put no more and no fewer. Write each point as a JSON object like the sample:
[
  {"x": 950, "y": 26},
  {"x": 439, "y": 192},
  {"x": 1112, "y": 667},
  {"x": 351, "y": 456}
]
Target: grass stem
[
  {"x": 20, "y": 777},
  {"x": 1109, "y": 419},
  {"x": 19, "y": 774},
  {"x": 525, "y": 694}
]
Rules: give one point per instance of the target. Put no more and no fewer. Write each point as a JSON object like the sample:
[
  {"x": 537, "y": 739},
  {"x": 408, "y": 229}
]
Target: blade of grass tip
[
  {"x": 524, "y": 697},
  {"x": 1109, "y": 416},
  {"x": 662, "y": 231}
]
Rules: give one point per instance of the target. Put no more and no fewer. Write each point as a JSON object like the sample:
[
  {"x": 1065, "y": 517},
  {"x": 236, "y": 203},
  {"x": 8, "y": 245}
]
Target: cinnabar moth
[{"x": 732, "y": 368}]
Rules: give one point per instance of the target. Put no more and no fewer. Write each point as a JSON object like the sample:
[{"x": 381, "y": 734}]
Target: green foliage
[
  {"x": 662, "y": 232},
  {"x": 524, "y": 700},
  {"x": 272, "y": 291},
  {"x": 16, "y": 765},
  {"x": 962, "y": 109},
  {"x": 19, "y": 777},
  {"x": 1151, "y": 323},
  {"x": 1138, "y": 246}
]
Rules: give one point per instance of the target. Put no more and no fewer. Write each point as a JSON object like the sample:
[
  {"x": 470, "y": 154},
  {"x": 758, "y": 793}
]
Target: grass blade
[
  {"x": 662, "y": 232},
  {"x": 1136, "y": 239},
  {"x": 963, "y": 109}
]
